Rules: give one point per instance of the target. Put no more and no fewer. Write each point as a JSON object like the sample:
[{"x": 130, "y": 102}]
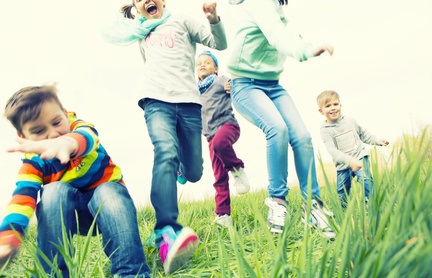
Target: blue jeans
[
  {"x": 175, "y": 131},
  {"x": 116, "y": 221},
  {"x": 267, "y": 105},
  {"x": 363, "y": 176}
]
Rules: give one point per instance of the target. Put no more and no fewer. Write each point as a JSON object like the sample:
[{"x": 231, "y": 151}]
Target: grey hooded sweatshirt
[{"x": 345, "y": 139}]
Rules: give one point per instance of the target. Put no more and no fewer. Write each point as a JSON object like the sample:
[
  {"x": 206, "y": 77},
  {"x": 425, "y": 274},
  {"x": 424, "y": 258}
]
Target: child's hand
[
  {"x": 384, "y": 142},
  {"x": 323, "y": 48},
  {"x": 7, "y": 251},
  {"x": 210, "y": 12},
  {"x": 59, "y": 148},
  {"x": 227, "y": 87},
  {"x": 355, "y": 164}
]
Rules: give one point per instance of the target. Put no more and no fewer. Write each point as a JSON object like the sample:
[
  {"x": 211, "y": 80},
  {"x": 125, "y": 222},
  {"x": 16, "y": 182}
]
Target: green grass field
[{"x": 393, "y": 238}]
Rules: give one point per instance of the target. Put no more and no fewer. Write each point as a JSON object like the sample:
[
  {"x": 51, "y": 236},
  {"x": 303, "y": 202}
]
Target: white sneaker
[
  {"x": 319, "y": 218},
  {"x": 324, "y": 209},
  {"x": 224, "y": 220},
  {"x": 241, "y": 181},
  {"x": 276, "y": 214}
]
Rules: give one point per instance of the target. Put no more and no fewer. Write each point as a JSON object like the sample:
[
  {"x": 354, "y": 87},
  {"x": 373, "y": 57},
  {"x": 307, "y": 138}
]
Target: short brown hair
[
  {"x": 326, "y": 97},
  {"x": 25, "y": 105}
]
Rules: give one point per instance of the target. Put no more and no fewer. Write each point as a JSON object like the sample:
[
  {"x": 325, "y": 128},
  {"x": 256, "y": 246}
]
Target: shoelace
[
  {"x": 319, "y": 215},
  {"x": 318, "y": 204},
  {"x": 167, "y": 234}
]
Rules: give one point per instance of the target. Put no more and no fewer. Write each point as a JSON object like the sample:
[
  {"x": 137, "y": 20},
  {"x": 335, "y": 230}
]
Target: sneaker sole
[
  {"x": 224, "y": 224},
  {"x": 182, "y": 250},
  {"x": 242, "y": 190},
  {"x": 274, "y": 228}
]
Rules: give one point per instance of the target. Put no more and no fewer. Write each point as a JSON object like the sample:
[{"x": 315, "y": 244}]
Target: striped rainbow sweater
[{"x": 90, "y": 167}]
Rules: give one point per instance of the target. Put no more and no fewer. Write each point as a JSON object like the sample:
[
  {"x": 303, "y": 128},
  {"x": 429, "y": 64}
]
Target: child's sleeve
[
  {"x": 272, "y": 24},
  {"x": 365, "y": 136},
  {"x": 214, "y": 38},
  {"x": 86, "y": 136},
  {"x": 23, "y": 204}
]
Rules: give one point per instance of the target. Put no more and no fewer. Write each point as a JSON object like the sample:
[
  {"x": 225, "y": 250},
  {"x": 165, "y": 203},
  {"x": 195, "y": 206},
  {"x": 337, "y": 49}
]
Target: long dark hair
[{"x": 127, "y": 11}]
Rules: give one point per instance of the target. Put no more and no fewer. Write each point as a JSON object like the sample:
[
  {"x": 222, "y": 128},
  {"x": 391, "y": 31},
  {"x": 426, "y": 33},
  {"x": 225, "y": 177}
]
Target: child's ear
[
  {"x": 20, "y": 135},
  {"x": 320, "y": 110}
]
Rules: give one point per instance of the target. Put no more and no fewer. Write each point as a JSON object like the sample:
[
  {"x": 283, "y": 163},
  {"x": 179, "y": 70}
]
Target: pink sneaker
[{"x": 177, "y": 249}]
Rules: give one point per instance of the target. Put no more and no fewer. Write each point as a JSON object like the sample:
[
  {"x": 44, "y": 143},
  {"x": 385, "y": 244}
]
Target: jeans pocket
[
  {"x": 144, "y": 102},
  {"x": 237, "y": 84}
]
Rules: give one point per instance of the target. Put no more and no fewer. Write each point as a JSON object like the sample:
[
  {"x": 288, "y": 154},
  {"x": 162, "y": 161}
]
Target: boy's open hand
[
  {"x": 47, "y": 149},
  {"x": 384, "y": 142},
  {"x": 209, "y": 10},
  {"x": 355, "y": 164},
  {"x": 323, "y": 48},
  {"x": 7, "y": 251}
]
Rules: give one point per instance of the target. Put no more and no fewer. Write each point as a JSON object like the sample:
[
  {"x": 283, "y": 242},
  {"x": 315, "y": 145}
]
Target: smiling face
[
  {"x": 51, "y": 123},
  {"x": 331, "y": 110},
  {"x": 150, "y": 9},
  {"x": 205, "y": 66}
]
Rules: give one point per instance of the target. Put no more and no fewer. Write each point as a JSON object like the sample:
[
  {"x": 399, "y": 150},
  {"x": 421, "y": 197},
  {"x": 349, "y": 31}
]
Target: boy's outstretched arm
[
  {"x": 81, "y": 141},
  {"x": 61, "y": 148}
]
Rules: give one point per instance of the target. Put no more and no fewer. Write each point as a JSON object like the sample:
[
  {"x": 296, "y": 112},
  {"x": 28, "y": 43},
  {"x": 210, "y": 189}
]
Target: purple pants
[{"x": 224, "y": 159}]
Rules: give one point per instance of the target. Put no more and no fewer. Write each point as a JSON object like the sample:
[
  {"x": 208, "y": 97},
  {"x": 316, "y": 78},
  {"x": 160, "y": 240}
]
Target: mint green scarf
[{"x": 126, "y": 31}]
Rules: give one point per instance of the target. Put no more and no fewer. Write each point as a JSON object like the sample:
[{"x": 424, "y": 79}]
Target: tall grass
[{"x": 392, "y": 238}]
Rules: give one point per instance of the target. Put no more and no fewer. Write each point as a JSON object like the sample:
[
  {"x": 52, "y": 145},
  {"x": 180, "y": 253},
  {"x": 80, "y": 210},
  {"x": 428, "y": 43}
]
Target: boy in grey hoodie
[{"x": 344, "y": 140}]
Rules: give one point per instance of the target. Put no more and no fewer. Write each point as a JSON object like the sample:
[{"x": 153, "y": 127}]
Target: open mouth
[{"x": 152, "y": 9}]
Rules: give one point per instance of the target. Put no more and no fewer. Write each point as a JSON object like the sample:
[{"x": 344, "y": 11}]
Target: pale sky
[{"x": 381, "y": 67}]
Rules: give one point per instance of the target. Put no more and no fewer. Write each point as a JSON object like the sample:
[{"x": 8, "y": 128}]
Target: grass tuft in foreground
[{"x": 392, "y": 238}]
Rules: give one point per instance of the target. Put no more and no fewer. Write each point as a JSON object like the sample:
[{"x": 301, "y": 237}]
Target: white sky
[{"x": 381, "y": 68}]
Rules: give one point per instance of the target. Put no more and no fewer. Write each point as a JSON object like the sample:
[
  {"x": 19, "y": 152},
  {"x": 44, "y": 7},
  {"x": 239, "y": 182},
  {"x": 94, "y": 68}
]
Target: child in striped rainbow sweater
[{"x": 65, "y": 163}]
